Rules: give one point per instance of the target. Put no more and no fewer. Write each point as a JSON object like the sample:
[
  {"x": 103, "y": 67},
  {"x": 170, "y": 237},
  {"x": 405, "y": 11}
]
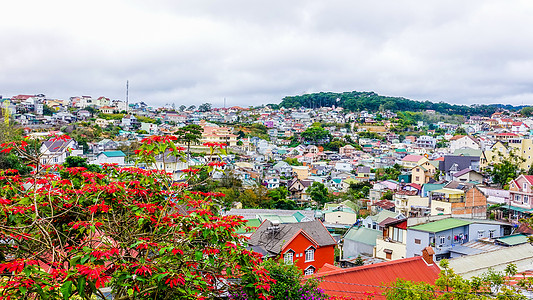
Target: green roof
[
  {"x": 428, "y": 187},
  {"x": 363, "y": 235},
  {"x": 249, "y": 223},
  {"x": 281, "y": 219},
  {"x": 114, "y": 153},
  {"x": 298, "y": 216},
  {"x": 382, "y": 215},
  {"x": 513, "y": 240},
  {"x": 441, "y": 225},
  {"x": 468, "y": 152}
]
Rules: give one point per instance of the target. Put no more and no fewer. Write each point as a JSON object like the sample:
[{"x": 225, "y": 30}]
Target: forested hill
[{"x": 370, "y": 101}]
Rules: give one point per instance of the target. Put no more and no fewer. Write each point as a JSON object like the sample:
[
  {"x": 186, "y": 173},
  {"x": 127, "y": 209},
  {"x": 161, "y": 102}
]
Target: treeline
[{"x": 370, "y": 101}]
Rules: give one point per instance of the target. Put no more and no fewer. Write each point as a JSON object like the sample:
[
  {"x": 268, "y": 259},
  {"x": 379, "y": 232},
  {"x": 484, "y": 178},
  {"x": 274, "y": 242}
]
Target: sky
[{"x": 257, "y": 52}]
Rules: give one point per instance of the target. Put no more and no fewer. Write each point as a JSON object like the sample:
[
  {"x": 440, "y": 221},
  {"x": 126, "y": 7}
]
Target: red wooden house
[{"x": 308, "y": 245}]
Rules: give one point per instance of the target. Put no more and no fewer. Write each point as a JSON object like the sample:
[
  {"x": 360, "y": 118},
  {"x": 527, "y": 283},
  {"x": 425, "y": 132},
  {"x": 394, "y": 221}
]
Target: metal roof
[
  {"x": 357, "y": 281},
  {"x": 363, "y": 235},
  {"x": 513, "y": 240},
  {"x": 441, "y": 225},
  {"x": 477, "y": 264}
]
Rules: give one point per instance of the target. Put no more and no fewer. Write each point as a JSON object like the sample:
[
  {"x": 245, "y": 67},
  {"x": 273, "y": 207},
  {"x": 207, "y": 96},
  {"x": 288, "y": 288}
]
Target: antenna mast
[{"x": 127, "y": 95}]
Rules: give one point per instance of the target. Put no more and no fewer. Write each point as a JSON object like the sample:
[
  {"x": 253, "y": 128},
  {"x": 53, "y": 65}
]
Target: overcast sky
[{"x": 257, "y": 52}]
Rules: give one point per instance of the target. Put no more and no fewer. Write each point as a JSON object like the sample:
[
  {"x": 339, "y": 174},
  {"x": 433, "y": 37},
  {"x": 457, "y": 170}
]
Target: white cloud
[{"x": 257, "y": 52}]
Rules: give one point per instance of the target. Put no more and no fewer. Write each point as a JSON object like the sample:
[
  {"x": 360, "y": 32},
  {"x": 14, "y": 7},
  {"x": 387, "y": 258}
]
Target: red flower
[
  {"x": 143, "y": 270},
  {"x": 96, "y": 272}
]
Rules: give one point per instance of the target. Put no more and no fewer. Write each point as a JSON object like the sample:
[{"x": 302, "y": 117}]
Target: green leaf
[
  {"x": 81, "y": 286},
  {"x": 66, "y": 290},
  {"x": 198, "y": 255}
]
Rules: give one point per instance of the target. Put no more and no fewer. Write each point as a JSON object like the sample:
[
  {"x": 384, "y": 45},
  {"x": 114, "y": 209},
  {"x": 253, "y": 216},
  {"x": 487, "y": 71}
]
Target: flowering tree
[{"x": 70, "y": 232}]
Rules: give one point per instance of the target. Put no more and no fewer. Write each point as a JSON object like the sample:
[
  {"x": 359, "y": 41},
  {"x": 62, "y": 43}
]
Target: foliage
[
  {"x": 111, "y": 116},
  {"x": 507, "y": 168},
  {"x": 527, "y": 111},
  {"x": 316, "y": 135},
  {"x": 289, "y": 283},
  {"x": 204, "y": 107},
  {"x": 130, "y": 229},
  {"x": 359, "y": 261},
  {"x": 387, "y": 195},
  {"x": 190, "y": 134},
  {"x": 449, "y": 285},
  {"x": 318, "y": 193},
  {"x": 47, "y": 110},
  {"x": 357, "y": 101},
  {"x": 292, "y": 161},
  {"x": 389, "y": 173}
]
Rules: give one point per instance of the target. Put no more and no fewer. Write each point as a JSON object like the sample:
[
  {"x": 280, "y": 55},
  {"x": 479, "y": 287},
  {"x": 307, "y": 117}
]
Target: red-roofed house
[
  {"x": 463, "y": 141},
  {"x": 410, "y": 161},
  {"x": 519, "y": 128},
  {"x": 354, "y": 283}
]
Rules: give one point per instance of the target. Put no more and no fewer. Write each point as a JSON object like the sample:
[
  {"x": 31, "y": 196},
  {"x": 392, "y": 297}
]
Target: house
[
  {"x": 440, "y": 235},
  {"x": 130, "y": 122},
  {"x": 521, "y": 196},
  {"x": 468, "y": 175},
  {"x": 371, "y": 279},
  {"x": 373, "y": 221},
  {"x": 426, "y": 142},
  {"x": 110, "y": 157},
  {"x": 55, "y": 152},
  {"x": 520, "y": 128},
  {"x": 308, "y": 245},
  {"x": 365, "y": 172},
  {"x": 410, "y": 161},
  {"x": 340, "y": 215},
  {"x": 271, "y": 182},
  {"x": 463, "y": 141},
  {"x": 424, "y": 172},
  {"x": 405, "y": 201},
  {"x": 298, "y": 187},
  {"x": 358, "y": 241},
  {"x": 283, "y": 168},
  {"x": 391, "y": 244},
  {"x": 459, "y": 199},
  {"x": 447, "y": 233},
  {"x": 452, "y": 164}
]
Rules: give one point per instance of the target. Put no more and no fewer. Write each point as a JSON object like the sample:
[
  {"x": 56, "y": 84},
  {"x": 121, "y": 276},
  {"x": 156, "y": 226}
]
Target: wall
[
  {"x": 353, "y": 248},
  {"x": 474, "y": 228},
  {"x": 340, "y": 217},
  {"x": 399, "y": 250},
  {"x": 299, "y": 244},
  {"x": 413, "y": 249},
  {"x": 446, "y": 206}
]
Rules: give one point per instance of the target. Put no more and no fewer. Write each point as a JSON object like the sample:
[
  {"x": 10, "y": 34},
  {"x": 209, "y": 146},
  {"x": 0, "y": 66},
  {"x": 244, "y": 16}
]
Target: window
[
  {"x": 526, "y": 198},
  {"x": 310, "y": 254},
  {"x": 442, "y": 240},
  {"x": 288, "y": 258},
  {"x": 397, "y": 234},
  {"x": 524, "y": 186},
  {"x": 491, "y": 233},
  {"x": 388, "y": 255},
  {"x": 480, "y": 233},
  {"x": 417, "y": 178},
  {"x": 309, "y": 271},
  {"x": 517, "y": 198},
  {"x": 417, "y": 241}
]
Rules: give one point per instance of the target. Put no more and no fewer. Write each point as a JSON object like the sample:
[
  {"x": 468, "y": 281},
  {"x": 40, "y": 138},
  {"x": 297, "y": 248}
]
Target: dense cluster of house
[{"x": 439, "y": 206}]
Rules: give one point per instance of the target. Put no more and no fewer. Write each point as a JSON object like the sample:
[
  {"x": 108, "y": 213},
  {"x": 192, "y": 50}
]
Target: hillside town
[{"x": 360, "y": 198}]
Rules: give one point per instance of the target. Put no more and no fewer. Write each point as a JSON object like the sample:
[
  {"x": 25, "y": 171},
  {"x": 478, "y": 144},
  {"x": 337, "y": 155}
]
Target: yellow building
[
  {"x": 422, "y": 173},
  {"x": 500, "y": 150},
  {"x": 302, "y": 172}
]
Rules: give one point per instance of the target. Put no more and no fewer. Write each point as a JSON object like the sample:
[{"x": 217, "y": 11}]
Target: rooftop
[{"x": 441, "y": 225}]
